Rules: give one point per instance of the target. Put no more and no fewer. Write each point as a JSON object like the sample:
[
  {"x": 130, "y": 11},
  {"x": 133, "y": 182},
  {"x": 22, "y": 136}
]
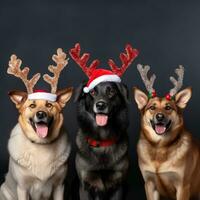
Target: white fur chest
[{"x": 41, "y": 160}]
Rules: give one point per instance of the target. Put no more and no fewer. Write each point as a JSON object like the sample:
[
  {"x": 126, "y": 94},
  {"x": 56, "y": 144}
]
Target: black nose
[
  {"x": 160, "y": 117},
  {"x": 41, "y": 114},
  {"x": 101, "y": 105}
]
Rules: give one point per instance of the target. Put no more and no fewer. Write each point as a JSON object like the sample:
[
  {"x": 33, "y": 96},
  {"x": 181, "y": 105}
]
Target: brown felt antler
[
  {"x": 177, "y": 83},
  {"x": 61, "y": 62},
  {"x": 144, "y": 75},
  {"x": 126, "y": 59},
  {"x": 82, "y": 60},
  {"x": 14, "y": 69}
]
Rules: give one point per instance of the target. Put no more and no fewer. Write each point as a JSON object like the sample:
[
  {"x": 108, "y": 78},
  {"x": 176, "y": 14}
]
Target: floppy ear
[
  {"x": 124, "y": 91},
  {"x": 63, "y": 96},
  {"x": 183, "y": 97},
  {"x": 17, "y": 97},
  {"x": 140, "y": 98},
  {"x": 79, "y": 92}
]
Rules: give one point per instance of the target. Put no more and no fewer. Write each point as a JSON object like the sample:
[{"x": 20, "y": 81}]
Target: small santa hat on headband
[
  {"x": 42, "y": 95},
  {"x": 97, "y": 76}
]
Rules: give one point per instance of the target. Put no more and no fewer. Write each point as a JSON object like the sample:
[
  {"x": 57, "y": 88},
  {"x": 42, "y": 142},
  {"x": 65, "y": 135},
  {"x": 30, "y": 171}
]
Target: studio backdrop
[{"x": 166, "y": 33}]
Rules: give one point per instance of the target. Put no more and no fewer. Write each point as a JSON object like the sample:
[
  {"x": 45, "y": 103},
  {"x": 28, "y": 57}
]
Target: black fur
[{"x": 103, "y": 170}]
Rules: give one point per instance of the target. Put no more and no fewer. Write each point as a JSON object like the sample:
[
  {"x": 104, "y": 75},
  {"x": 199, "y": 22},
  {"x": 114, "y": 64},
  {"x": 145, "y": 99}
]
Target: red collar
[{"x": 100, "y": 143}]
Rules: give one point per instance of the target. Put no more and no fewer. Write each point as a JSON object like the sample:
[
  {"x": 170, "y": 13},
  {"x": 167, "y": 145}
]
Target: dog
[
  {"x": 38, "y": 146},
  {"x": 102, "y": 117},
  {"x": 169, "y": 157},
  {"x": 102, "y": 160}
]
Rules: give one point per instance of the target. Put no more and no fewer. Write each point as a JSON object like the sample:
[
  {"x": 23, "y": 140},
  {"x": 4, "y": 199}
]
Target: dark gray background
[{"x": 167, "y": 33}]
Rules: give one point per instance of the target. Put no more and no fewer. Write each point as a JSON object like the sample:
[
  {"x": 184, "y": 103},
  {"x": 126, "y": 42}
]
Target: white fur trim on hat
[
  {"x": 43, "y": 96},
  {"x": 103, "y": 78}
]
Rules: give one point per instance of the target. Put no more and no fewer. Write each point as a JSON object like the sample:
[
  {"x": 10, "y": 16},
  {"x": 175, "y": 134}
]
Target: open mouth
[
  {"x": 101, "y": 119},
  {"x": 41, "y": 128},
  {"x": 161, "y": 128}
]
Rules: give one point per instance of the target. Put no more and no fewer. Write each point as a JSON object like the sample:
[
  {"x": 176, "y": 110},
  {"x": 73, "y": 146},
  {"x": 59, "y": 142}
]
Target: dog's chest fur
[
  {"x": 101, "y": 157},
  {"x": 163, "y": 165},
  {"x": 42, "y": 161}
]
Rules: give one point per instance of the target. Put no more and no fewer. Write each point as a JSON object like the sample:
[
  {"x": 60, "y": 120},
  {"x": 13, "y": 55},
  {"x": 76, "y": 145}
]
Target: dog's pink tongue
[
  {"x": 160, "y": 129},
  {"x": 101, "y": 119},
  {"x": 42, "y": 130}
]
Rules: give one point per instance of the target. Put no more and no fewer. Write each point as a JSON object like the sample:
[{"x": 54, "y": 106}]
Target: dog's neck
[
  {"x": 101, "y": 143},
  {"x": 29, "y": 155},
  {"x": 175, "y": 148}
]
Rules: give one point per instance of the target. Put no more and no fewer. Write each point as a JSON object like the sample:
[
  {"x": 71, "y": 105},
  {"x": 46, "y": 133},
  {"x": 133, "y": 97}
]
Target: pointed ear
[
  {"x": 140, "y": 98},
  {"x": 18, "y": 97},
  {"x": 183, "y": 97},
  {"x": 63, "y": 96}
]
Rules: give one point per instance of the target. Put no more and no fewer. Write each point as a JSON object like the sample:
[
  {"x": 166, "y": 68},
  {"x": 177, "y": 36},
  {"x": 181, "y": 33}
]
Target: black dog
[{"x": 102, "y": 160}]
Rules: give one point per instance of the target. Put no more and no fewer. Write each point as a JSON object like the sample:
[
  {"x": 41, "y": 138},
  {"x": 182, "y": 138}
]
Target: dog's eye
[
  {"x": 49, "y": 105},
  {"x": 152, "y": 108},
  {"x": 32, "y": 105},
  {"x": 93, "y": 92},
  {"x": 168, "y": 108},
  {"x": 111, "y": 92}
]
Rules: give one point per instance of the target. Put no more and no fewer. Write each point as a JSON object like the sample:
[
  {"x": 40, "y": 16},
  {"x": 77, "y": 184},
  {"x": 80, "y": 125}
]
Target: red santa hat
[
  {"x": 42, "y": 95},
  {"x": 97, "y": 76}
]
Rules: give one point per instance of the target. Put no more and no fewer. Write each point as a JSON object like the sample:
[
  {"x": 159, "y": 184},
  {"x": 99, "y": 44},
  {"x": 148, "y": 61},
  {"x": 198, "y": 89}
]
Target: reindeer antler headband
[
  {"x": 97, "y": 76},
  {"x": 15, "y": 69},
  {"x": 150, "y": 82}
]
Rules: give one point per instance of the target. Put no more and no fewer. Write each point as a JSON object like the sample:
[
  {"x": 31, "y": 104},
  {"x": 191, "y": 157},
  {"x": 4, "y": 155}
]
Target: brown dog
[
  {"x": 169, "y": 158},
  {"x": 38, "y": 146}
]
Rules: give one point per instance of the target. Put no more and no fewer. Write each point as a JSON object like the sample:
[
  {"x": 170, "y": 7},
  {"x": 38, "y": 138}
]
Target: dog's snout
[
  {"x": 41, "y": 114},
  {"x": 101, "y": 105},
  {"x": 160, "y": 117}
]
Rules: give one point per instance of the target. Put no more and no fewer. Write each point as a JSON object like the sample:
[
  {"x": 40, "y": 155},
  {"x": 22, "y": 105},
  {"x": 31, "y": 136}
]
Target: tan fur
[
  {"x": 37, "y": 166},
  {"x": 170, "y": 163}
]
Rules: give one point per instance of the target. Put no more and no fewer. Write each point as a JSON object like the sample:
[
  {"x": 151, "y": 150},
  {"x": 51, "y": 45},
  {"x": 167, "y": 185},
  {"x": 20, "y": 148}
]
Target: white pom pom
[{"x": 86, "y": 90}]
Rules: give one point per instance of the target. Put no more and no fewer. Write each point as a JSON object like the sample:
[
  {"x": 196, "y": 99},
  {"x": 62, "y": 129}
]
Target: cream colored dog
[{"x": 38, "y": 146}]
